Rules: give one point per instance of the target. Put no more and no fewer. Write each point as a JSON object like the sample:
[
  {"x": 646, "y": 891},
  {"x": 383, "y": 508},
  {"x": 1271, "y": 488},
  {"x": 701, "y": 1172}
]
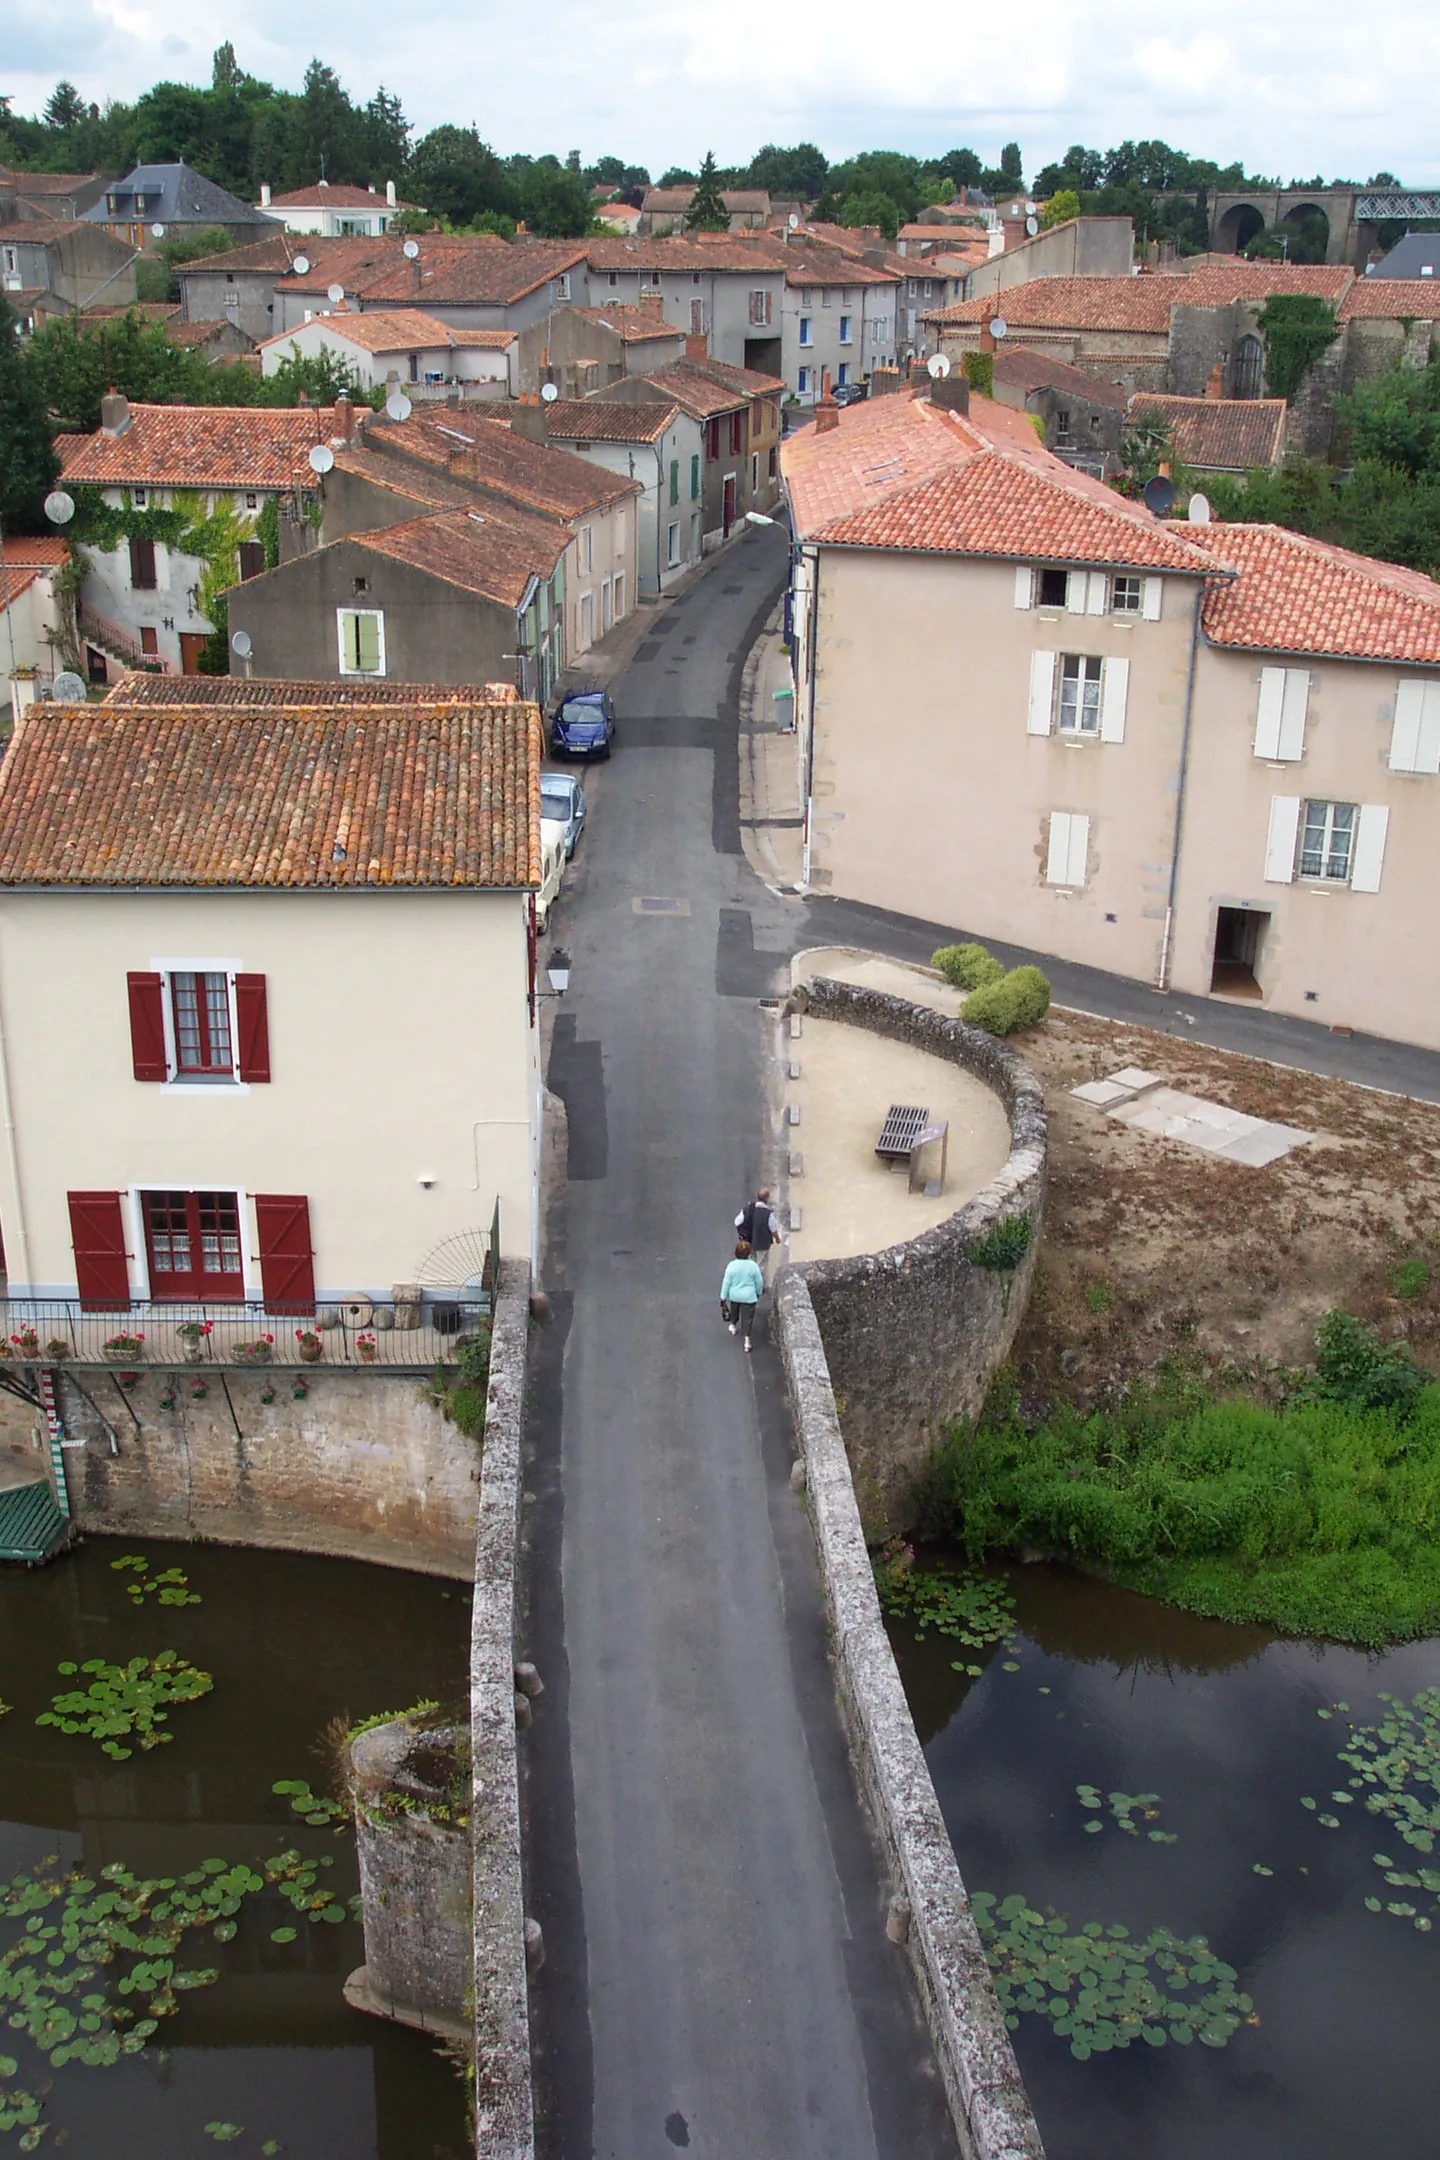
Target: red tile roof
[
  {"x": 451, "y": 269},
  {"x": 402, "y": 795},
  {"x": 1021, "y": 367},
  {"x": 491, "y": 552},
  {"x": 201, "y": 446},
  {"x": 533, "y": 476},
  {"x": 145, "y": 689},
  {"x": 1143, "y": 303},
  {"x": 749, "y": 381},
  {"x": 634, "y": 325},
  {"x": 25, "y": 560},
  {"x": 1220, "y": 434},
  {"x": 695, "y": 251},
  {"x": 334, "y": 195},
  {"x": 696, "y": 394},
  {"x": 1297, "y": 595},
  {"x": 600, "y": 420},
  {"x": 1399, "y": 299}
]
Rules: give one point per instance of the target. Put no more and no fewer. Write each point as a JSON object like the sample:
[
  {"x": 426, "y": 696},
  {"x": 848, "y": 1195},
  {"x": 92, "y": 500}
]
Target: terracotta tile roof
[
  {"x": 166, "y": 311},
  {"x": 451, "y": 269},
  {"x": 145, "y": 689},
  {"x": 533, "y": 476},
  {"x": 277, "y": 251},
  {"x": 1220, "y": 434},
  {"x": 1399, "y": 299},
  {"x": 695, "y": 394},
  {"x": 40, "y": 230},
  {"x": 1021, "y": 367},
  {"x": 749, "y": 381},
  {"x": 27, "y": 559},
  {"x": 400, "y": 795},
  {"x": 635, "y": 325},
  {"x": 408, "y": 478},
  {"x": 1143, "y": 303},
  {"x": 695, "y": 251},
  {"x": 827, "y": 266},
  {"x": 335, "y": 195},
  {"x": 738, "y": 201},
  {"x": 197, "y": 446},
  {"x": 1297, "y": 595},
  {"x": 918, "y": 478},
  {"x": 598, "y": 420},
  {"x": 491, "y": 552},
  {"x": 397, "y": 330},
  {"x": 43, "y": 183}
]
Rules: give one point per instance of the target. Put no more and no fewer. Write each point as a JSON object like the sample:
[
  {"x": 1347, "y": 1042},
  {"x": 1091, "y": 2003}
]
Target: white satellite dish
[
  {"x": 59, "y": 507},
  {"x": 335, "y": 292},
  {"x": 398, "y": 406},
  {"x": 158, "y": 231},
  {"x": 241, "y": 644},
  {"x": 794, "y": 221},
  {"x": 549, "y": 392},
  {"x": 1032, "y": 225},
  {"x": 301, "y": 264},
  {"x": 1199, "y": 512},
  {"x": 322, "y": 457},
  {"x": 937, "y": 367},
  {"x": 68, "y": 688},
  {"x": 410, "y": 250},
  {"x": 998, "y": 326}
]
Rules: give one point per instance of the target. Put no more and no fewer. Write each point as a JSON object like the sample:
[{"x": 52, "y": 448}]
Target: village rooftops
[
  {"x": 201, "y": 446},
  {"x": 26, "y": 559},
  {"x": 171, "y": 195},
  {"x": 1143, "y": 303},
  {"x": 335, "y": 195},
  {"x": 450, "y": 269},
  {"x": 740, "y": 202},
  {"x": 221, "y": 796},
  {"x": 1219, "y": 434},
  {"x": 398, "y": 330},
  {"x": 596, "y": 420},
  {"x": 533, "y": 476},
  {"x": 1298, "y": 595},
  {"x": 1020, "y": 367},
  {"x": 494, "y": 553},
  {"x": 633, "y": 325},
  {"x": 1399, "y": 299},
  {"x": 141, "y": 689}
]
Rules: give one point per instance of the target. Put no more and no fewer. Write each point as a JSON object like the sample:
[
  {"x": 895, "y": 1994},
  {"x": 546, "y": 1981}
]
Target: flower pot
[
  {"x": 311, "y": 1353},
  {"x": 194, "y": 1351},
  {"x": 366, "y": 1352},
  {"x": 123, "y": 1357}
]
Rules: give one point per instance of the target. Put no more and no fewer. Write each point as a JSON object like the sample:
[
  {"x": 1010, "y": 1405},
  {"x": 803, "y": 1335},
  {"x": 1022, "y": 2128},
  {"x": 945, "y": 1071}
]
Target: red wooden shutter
[
  {"x": 287, "y": 1265},
  {"x": 254, "y": 1027},
  {"x": 147, "y": 1026},
  {"x": 97, "y": 1233}
]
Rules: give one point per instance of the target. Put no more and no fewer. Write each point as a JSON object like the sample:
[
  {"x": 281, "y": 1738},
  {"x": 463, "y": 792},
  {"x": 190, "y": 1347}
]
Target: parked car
[
  {"x": 583, "y": 725},
  {"x": 850, "y": 393},
  {"x": 562, "y": 802},
  {"x": 552, "y": 870}
]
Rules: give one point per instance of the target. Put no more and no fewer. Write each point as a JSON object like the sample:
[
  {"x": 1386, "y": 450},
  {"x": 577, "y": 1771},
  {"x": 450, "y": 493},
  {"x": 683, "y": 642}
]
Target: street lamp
[
  {"x": 757, "y": 517},
  {"x": 558, "y": 970}
]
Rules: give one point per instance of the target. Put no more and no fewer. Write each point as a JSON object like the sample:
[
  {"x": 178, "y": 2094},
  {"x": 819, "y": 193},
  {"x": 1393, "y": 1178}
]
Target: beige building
[
  {"x": 295, "y": 1060},
  {"x": 1032, "y": 713},
  {"x": 428, "y": 358}
]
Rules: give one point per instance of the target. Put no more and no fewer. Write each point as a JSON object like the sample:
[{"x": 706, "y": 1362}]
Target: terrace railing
[{"x": 354, "y": 1337}]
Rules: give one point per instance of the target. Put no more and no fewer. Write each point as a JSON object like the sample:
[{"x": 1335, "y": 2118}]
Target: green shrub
[
  {"x": 1354, "y": 1366},
  {"x": 979, "y": 372},
  {"x": 1411, "y": 1278},
  {"x": 1004, "y": 1244},
  {"x": 969, "y": 967},
  {"x": 1019, "y": 1000}
]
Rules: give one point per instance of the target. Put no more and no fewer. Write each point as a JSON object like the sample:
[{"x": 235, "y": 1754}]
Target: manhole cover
[{"x": 653, "y": 904}]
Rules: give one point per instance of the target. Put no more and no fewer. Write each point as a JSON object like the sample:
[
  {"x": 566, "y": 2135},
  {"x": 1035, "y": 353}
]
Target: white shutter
[
  {"x": 1369, "y": 854},
  {"x": 1042, "y": 691},
  {"x": 1405, "y": 734},
  {"x": 1077, "y": 587},
  {"x": 1098, "y": 600},
  {"x": 1024, "y": 586},
  {"x": 1272, "y": 700},
  {"x": 1151, "y": 589},
  {"x": 1292, "y": 715},
  {"x": 1079, "y": 850},
  {"x": 1057, "y": 861},
  {"x": 1429, "y": 753},
  {"x": 1114, "y": 682},
  {"x": 1280, "y": 846}
]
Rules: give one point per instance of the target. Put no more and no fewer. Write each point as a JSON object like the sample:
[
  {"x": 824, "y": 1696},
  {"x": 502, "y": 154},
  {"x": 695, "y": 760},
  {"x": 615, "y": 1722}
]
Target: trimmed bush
[
  {"x": 969, "y": 967},
  {"x": 1018, "y": 1000}
]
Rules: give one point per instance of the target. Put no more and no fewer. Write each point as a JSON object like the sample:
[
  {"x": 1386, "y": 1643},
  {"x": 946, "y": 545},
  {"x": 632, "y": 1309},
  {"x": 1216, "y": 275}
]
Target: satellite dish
[
  {"x": 1032, "y": 226},
  {"x": 549, "y": 391},
  {"x": 68, "y": 688},
  {"x": 301, "y": 264},
  {"x": 1199, "y": 512},
  {"x": 410, "y": 250},
  {"x": 59, "y": 507},
  {"x": 335, "y": 292},
  {"x": 937, "y": 367},
  {"x": 998, "y": 326},
  {"x": 398, "y": 406},
  {"x": 158, "y": 231},
  {"x": 322, "y": 457},
  {"x": 1159, "y": 496},
  {"x": 241, "y": 644},
  {"x": 794, "y": 221}
]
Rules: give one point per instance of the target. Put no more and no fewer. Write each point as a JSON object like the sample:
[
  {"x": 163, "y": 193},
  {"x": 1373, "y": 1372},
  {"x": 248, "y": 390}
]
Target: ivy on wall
[
  {"x": 1297, "y": 328},
  {"x": 211, "y": 537}
]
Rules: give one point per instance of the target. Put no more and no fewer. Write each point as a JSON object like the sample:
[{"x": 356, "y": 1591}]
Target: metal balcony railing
[
  {"x": 355, "y": 1337},
  {"x": 120, "y": 643}
]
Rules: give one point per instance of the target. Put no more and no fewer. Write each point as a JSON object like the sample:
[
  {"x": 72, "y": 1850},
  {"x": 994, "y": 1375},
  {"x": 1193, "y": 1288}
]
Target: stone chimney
[
  {"x": 827, "y": 412},
  {"x": 1215, "y": 382},
  {"x": 951, "y": 392},
  {"x": 697, "y": 346},
  {"x": 344, "y": 423},
  {"x": 919, "y": 379},
  {"x": 651, "y": 304},
  {"x": 873, "y": 258},
  {"x": 987, "y": 335},
  {"x": 264, "y": 195},
  {"x": 114, "y": 412},
  {"x": 390, "y": 193},
  {"x": 1014, "y": 232},
  {"x": 530, "y": 417}
]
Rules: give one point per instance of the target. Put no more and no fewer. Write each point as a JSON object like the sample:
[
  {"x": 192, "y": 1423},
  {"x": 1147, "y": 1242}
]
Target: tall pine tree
[{"x": 707, "y": 212}]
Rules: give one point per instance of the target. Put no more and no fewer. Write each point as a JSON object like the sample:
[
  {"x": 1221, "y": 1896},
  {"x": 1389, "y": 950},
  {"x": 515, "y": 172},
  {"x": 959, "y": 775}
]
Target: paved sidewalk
[{"x": 772, "y": 823}]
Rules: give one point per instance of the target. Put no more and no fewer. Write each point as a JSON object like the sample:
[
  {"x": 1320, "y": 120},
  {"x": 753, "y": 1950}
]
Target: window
[
  {"x": 139, "y": 497},
  {"x": 1079, "y": 694},
  {"x": 805, "y": 337},
  {"x": 142, "y": 565},
  {"x": 929, "y": 288},
  {"x": 826, "y": 297},
  {"x": 805, "y": 297},
  {"x": 1062, "y": 427},
  {"x": 695, "y": 477},
  {"x": 1125, "y": 595},
  {"x": 587, "y": 619},
  {"x": 802, "y": 381},
  {"x": 914, "y": 286},
  {"x": 586, "y": 549},
  {"x": 414, "y": 362},
  {"x": 737, "y": 433},
  {"x": 362, "y": 641},
  {"x": 1327, "y": 839},
  {"x": 614, "y": 278},
  {"x": 149, "y": 642},
  {"x": 712, "y": 439},
  {"x": 672, "y": 544},
  {"x": 232, "y": 298},
  {"x": 200, "y": 1015},
  {"x": 754, "y": 471},
  {"x": 674, "y": 482},
  {"x": 774, "y": 463},
  {"x": 845, "y": 338},
  {"x": 193, "y": 1241},
  {"x": 252, "y": 502},
  {"x": 1280, "y": 714},
  {"x": 252, "y": 559},
  {"x": 619, "y": 589},
  {"x": 1415, "y": 736},
  {"x": 1249, "y": 368},
  {"x": 842, "y": 373},
  {"x": 760, "y": 309},
  {"x": 1067, "y": 852},
  {"x": 565, "y": 284},
  {"x": 1053, "y": 586}
]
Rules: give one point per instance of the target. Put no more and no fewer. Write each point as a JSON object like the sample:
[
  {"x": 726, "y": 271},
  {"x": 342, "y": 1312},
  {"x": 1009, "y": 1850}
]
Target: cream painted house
[
  {"x": 295, "y": 1061},
  {"x": 429, "y": 358},
  {"x": 1207, "y": 759}
]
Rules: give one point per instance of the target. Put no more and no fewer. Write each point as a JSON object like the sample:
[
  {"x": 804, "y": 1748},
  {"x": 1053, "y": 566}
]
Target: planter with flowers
[
  {"x": 194, "y": 1334},
  {"x": 124, "y": 1349},
  {"x": 27, "y": 1344},
  {"x": 311, "y": 1347},
  {"x": 255, "y": 1352},
  {"x": 365, "y": 1349},
  {"x": 57, "y": 1349}
]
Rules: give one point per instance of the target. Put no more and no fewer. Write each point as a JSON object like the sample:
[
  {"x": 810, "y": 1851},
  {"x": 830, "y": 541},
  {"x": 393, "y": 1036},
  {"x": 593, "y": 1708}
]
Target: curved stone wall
[{"x": 913, "y": 1334}]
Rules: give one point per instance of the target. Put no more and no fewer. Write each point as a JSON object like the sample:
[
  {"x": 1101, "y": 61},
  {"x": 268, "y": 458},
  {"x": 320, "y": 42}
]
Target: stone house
[
  {"x": 1150, "y": 748},
  {"x": 258, "y": 916},
  {"x": 1082, "y": 415},
  {"x": 429, "y": 358},
  {"x": 153, "y": 201},
  {"x": 738, "y": 413},
  {"x": 662, "y": 446},
  {"x": 72, "y": 262},
  {"x": 584, "y": 349},
  {"x": 666, "y": 211},
  {"x": 1219, "y": 435}
]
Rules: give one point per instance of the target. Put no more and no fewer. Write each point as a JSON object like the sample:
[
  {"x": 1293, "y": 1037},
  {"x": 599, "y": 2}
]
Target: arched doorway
[
  {"x": 1248, "y": 368},
  {"x": 1238, "y": 227}
]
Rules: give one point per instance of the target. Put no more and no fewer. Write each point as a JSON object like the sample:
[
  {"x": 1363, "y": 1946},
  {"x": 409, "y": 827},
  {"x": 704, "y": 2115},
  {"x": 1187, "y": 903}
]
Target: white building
[
  {"x": 27, "y": 614},
  {"x": 335, "y": 211},
  {"x": 430, "y": 358}
]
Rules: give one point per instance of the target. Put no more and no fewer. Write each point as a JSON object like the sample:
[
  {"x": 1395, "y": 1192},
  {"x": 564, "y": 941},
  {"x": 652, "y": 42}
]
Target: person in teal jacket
[{"x": 740, "y": 1292}]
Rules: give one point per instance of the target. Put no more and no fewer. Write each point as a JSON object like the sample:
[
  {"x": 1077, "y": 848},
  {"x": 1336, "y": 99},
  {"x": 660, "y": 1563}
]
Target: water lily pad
[
  {"x": 283, "y": 1934},
  {"x": 1258, "y": 1868}
]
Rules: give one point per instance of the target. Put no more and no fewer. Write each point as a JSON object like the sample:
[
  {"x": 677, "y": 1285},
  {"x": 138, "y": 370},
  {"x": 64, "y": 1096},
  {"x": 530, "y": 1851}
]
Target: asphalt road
[{"x": 717, "y": 1973}]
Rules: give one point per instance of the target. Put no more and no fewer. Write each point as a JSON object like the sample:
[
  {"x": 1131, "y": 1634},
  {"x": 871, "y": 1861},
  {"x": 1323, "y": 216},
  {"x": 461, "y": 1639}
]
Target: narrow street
[{"x": 717, "y": 1973}]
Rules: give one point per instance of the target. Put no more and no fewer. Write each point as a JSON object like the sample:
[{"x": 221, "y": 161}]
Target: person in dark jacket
[{"x": 756, "y": 1223}]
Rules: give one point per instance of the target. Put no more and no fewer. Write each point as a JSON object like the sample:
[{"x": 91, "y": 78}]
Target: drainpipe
[
  {"x": 1168, "y": 940},
  {"x": 812, "y": 557}
]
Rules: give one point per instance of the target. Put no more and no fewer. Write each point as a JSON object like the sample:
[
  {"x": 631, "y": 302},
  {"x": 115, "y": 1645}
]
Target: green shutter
[
  {"x": 695, "y": 478},
  {"x": 674, "y": 480},
  {"x": 367, "y": 643}
]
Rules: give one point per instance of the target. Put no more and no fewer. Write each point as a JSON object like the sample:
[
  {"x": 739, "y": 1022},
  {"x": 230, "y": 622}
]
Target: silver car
[{"x": 562, "y": 800}]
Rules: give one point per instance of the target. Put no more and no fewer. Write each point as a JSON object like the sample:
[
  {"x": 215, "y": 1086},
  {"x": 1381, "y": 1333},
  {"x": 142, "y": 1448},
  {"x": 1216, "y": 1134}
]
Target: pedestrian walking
[
  {"x": 740, "y": 1291},
  {"x": 758, "y": 1226}
]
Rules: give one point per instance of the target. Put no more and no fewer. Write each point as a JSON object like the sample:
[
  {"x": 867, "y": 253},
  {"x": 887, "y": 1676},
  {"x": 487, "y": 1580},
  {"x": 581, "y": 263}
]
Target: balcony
[{"x": 357, "y": 1336}]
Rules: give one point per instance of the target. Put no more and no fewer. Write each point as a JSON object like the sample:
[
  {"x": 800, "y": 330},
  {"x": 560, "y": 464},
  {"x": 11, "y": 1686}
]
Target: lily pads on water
[{"x": 126, "y": 1699}]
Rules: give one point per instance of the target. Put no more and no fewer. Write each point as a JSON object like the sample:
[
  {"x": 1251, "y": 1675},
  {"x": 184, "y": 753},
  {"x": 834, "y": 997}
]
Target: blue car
[{"x": 584, "y": 725}]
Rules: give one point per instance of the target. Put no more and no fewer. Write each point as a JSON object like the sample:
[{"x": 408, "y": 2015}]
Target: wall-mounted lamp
[
  {"x": 426, "y": 1178},
  {"x": 558, "y": 971}
]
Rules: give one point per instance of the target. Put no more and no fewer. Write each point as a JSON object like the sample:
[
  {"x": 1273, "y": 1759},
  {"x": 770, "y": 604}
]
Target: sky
[{"x": 1292, "y": 87}]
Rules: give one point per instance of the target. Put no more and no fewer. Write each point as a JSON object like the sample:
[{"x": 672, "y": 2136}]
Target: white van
[{"x": 552, "y": 868}]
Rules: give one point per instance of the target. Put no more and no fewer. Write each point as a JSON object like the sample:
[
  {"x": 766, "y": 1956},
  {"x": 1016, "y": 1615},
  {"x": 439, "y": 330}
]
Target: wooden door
[{"x": 192, "y": 644}]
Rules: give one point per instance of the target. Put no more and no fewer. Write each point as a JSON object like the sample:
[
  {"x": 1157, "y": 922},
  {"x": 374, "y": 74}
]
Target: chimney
[
  {"x": 390, "y": 193},
  {"x": 987, "y": 335},
  {"x": 873, "y": 258},
  {"x": 344, "y": 422},
  {"x": 951, "y": 393},
  {"x": 530, "y": 417},
  {"x": 650, "y": 303},
  {"x": 827, "y": 412},
  {"x": 1215, "y": 382},
  {"x": 114, "y": 412},
  {"x": 264, "y": 195},
  {"x": 1014, "y": 232},
  {"x": 697, "y": 346}
]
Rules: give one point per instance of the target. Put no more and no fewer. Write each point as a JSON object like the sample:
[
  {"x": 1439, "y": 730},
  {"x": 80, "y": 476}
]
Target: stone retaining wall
[
  {"x": 504, "y": 2115},
  {"x": 913, "y": 1334},
  {"x": 982, "y": 2080}
]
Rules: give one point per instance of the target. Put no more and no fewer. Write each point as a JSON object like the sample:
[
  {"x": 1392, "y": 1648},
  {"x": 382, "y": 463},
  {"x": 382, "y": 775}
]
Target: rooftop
[
  {"x": 325, "y": 194},
  {"x": 1402, "y": 299},
  {"x": 174, "y": 195},
  {"x": 141, "y": 689},
  {"x": 494, "y": 553},
  {"x": 534, "y": 476},
  {"x": 596, "y": 420},
  {"x": 1144, "y": 303},
  {"x": 26, "y": 559},
  {"x": 1220, "y": 434},
  {"x": 740, "y": 202},
  {"x": 1020, "y": 367},
  {"x": 329, "y": 797},
  {"x": 199, "y": 446},
  {"x": 1298, "y": 595},
  {"x": 397, "y": 330},
  {"x": 634, "y": 325}
]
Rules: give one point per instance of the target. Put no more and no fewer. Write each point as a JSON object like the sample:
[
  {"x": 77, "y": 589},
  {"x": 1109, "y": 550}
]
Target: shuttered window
[
  {"x": 695, "y": 477},
  {"x": 674, "y": 481},
  {"x": 252, "y": 559},
  {"x": 362, "y": 641},
  {"x": 147, "y": 1026},
  {"x": 252, "y": 1023},
  {"x": 200, "y": 1004},
  {"x": 142, "y": 565},
  {"x": 287, "y": 1264},
  {"x": 1042, "y": 692},
  {"x": 193, "y": 1244},
  {"x": 1415, "y": 736},
  {"x": 97, "y": 1238},
  {"x": 1281, "y": 838},
  {"x": 1280, "y": 714},
  {"x": 1069, "y": 848},
  {"x": 1024, "y": 586}
]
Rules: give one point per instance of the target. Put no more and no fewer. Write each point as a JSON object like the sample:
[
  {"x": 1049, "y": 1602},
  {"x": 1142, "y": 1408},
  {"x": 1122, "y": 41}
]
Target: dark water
[
  {"x": 291, "y": 1642},
  {"x": 1222, "y": 1723}
]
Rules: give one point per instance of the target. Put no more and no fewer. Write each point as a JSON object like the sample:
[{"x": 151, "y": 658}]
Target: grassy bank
[{"x": 1321, "y": 1518}]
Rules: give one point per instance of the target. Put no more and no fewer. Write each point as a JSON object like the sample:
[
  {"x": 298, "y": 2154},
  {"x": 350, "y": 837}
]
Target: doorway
[
  {"x": 1239, "y": 935},
  {"x": 727, "y": 518},
  {"x": 192, "y": 644}
]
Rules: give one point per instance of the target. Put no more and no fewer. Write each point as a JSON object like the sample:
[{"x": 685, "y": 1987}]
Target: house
[
  {"x": 429, "y": 358},
  {"x": 621, "y": 217},
  {"x": 1383, "y": 321},
  {"x": 28, "y": 623},
  {"x": 215, "y": 341},
  {"x": 1163, "y": 744},
  {"x": 74, "y": 262},
  {"x": 253, "y": 692},
  {"x": 48, "y": 194},
  {"x": 738, "y": 411},
  {"x": 1416, "y": 256},
  {"x": 239, "y": 285},
  {"x": 726, "y": 288},
  {"x": 187, "y": 494},
  {"x": 156, "y": 201},
  {"x": 582, "y": 349},
  {"x": 334, "y": 209},
  {"x": 474, "y": 281},
  {"x": 661, "y": 445},
  {"x": 258, "y": 916},
  {"x": 1218, "y": 434},
  {"x": 839, "y": 318},
  {"x": 666, "y": 211},
  {"x": 1082, "y": 415},
  {"x": 1077, "y": 247}
]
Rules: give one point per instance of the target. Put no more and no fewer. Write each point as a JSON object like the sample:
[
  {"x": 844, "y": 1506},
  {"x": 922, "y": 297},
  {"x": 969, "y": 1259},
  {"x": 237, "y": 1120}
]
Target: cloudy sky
[{"x": 1286, "y": 87}]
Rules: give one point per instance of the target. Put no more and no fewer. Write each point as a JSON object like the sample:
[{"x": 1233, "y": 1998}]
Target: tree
[
  {"x": 707, "y": 212},
  {"x": 28, "y": 464},
  {"x": 676, "y": 177},
  {"x": 225, "y": 75},
  {"x": 71, "y": 368},
  {"x": 1063, "y": 204},
  {"x": 872, "y": 209},
  {"x": 614, "y": 172},
  {"x": 963, "y": 167},
  {"x": 797, "y": 173},
  {"x": 456, "y": 175},
  {"x": 555, "y": 203},
  {"x": 65, "y": 108},
  {"x": 879, "y": 172}
]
